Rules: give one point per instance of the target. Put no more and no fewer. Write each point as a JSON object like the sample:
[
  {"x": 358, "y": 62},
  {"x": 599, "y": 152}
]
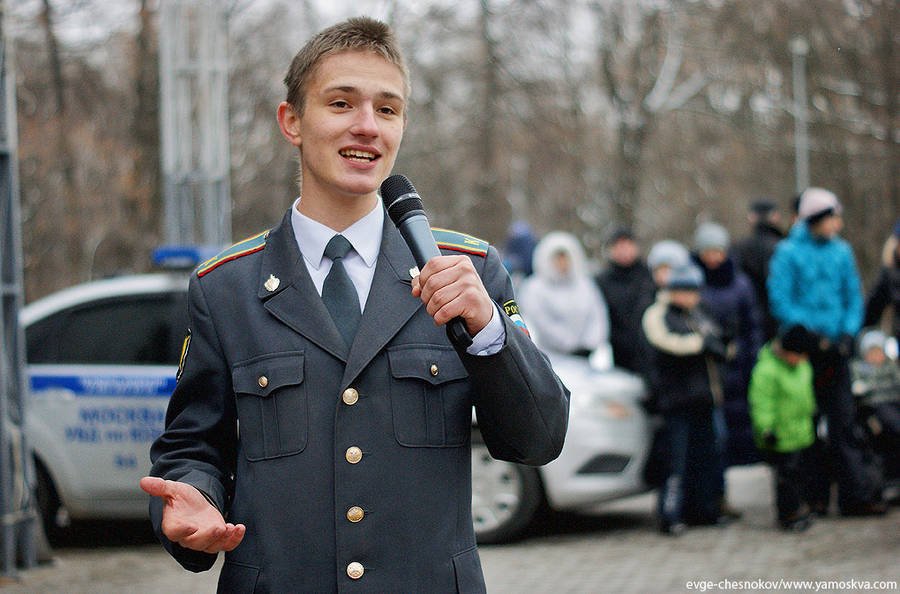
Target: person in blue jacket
[{"x": 813, "y": 282}]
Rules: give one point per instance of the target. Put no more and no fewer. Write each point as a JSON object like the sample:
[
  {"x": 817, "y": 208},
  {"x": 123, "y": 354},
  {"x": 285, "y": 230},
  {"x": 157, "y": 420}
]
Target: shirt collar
[{"x": 312, "y": 236}]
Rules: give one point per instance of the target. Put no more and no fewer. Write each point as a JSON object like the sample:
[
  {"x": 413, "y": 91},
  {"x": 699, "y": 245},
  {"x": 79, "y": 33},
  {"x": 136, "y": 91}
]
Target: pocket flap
[
  {"x": 431, "y": 363},
  {"x": 263, "y": 375}
]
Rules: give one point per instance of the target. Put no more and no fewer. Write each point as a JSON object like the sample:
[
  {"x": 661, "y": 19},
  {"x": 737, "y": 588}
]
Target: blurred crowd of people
[{"x": 765, "y": 349}]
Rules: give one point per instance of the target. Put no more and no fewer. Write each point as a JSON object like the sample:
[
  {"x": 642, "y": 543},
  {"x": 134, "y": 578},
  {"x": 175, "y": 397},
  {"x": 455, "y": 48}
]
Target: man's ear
[{"x": 289, "y": 122}]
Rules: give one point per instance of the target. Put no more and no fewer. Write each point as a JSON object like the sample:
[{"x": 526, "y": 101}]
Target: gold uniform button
[
  {"x": 350, "y": 396},
  {"x": 353, "y": 455},
  {"x": 355, "y": 570},
  {"x": 263, "y": 381},
  {"x": 355, "y": 514},
  {"x": 434, "y": 369}
]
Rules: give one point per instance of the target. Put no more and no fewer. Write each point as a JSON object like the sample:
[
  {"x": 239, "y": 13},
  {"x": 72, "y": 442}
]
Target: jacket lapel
[
  {"x": 294, "y": 299},
  {"x": 389, "y": 305}
]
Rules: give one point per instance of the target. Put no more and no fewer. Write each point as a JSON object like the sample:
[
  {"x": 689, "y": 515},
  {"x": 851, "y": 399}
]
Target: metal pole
[
  {"x": 799, "y": 49},
  {"x": 194, "y": 121},
  {"x": 17, "y": 515}
]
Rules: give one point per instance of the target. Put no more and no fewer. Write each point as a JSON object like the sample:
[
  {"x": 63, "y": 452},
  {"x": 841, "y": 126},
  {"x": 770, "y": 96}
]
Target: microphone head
[{"x": 400, "y": 198}]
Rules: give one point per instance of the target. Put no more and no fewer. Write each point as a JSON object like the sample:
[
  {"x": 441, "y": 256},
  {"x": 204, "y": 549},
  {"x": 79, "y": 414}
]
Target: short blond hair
[{"x": 355, "y": 34}]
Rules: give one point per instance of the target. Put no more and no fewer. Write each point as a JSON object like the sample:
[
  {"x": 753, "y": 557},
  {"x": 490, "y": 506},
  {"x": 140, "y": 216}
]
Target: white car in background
[
  {"x": 603, "y": 458},
  {"x": 101, "y": 362}
]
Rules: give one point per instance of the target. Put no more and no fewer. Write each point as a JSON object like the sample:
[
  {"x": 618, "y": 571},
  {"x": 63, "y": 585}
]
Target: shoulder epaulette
[
  {"x": 238, "y": 250},
  {"x": 459, "y": 242}
]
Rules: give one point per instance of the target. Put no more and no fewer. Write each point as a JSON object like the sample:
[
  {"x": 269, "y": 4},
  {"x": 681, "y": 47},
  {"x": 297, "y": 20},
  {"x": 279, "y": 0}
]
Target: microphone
[{"x": 405, "y": 208}]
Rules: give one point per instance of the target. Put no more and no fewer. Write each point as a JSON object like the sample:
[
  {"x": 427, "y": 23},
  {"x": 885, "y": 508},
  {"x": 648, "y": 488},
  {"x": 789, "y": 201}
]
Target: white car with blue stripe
[{"x": 101, "y": 362}]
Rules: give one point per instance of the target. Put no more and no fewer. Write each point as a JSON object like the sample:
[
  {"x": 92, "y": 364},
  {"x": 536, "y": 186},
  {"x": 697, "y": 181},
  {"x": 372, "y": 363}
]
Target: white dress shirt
[{"x": 365, "y": 237}]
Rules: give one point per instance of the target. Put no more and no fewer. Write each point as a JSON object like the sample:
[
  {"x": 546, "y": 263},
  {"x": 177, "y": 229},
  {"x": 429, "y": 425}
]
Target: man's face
[
  {"x": 875, "y": 356},
  {"x": 685, "y": 298},
  {"x": 351, "y": 126},
  {"x": 793, "y": 358},
  {"x": 828, "y": 227},
  {"x": 623, "y": 252},
  {"x": 562, "y": 263},
  {"x": 713, "y": 258},
  {"x": 661, "y": 275}
]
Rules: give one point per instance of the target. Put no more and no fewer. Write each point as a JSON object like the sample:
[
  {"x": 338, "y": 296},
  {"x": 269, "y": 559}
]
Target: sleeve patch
[
  {"x": 447, "y": 239},
  {"x": 511, "y": 308},
  {"x": 184, "y": 351}
]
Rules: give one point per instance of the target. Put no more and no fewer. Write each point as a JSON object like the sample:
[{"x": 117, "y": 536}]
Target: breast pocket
[
  {"x": 430, "y": 398},
  {"x": 272, "y": 405}
]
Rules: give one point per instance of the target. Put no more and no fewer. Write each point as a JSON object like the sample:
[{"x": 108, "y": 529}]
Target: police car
[{"x": 101, "y": 360}]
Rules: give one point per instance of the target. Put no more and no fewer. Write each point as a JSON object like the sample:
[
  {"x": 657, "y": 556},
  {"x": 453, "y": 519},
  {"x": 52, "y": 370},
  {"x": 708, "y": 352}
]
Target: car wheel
[
  {"x": 505, "y": 496},
  {"x": 50, "y": 507}
]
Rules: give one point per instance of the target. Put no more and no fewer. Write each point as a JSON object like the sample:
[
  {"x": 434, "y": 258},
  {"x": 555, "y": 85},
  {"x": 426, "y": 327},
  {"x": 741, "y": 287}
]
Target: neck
[{"x": 337, "y": 214}]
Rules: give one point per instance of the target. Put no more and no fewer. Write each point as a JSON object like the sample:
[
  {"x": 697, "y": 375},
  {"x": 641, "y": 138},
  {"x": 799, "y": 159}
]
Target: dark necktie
[{"x": 338, "y": 292}]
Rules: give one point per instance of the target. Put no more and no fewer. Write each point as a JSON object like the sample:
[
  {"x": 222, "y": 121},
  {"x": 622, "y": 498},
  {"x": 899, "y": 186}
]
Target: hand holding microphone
[{"x": 448, "y": 285}]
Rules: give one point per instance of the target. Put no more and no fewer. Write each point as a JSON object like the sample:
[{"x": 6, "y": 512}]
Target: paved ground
[{"x": 613, "y": 549}]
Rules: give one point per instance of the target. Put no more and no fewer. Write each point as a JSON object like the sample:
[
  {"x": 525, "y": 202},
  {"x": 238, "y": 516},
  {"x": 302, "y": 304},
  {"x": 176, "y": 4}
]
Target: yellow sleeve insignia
[{"x": 447, "y": 239}]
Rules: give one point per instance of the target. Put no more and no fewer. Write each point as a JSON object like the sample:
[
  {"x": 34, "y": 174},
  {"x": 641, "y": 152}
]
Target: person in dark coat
[
  {"x": 885, "y": 293},
  {"x": 319, "y": 432},
  {"x": 728, "y": 296},
  {"x": 629, "y": 289},
  {"x": 752, "y": 254},
  {"x": 687, "y": 350}
]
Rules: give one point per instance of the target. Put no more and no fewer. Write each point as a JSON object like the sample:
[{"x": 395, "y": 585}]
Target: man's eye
[{"x": 340, "y": 103}]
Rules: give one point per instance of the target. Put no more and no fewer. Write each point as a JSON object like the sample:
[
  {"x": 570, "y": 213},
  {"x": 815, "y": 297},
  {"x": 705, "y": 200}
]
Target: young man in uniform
[{"x": 322, "y": 441}]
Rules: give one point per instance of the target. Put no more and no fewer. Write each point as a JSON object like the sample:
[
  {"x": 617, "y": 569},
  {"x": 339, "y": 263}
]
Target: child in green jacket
[{"x": 782, "y": 405}]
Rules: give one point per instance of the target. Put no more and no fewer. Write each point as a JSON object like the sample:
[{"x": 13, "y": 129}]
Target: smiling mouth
[{"x": 357, "y": 155}]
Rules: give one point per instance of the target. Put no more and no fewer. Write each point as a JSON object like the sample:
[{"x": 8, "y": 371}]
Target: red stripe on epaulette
[
  {"x": 252, "y": 245},
  {"x": 457, "y": 248},
  {"x": 216, "y": 264}
]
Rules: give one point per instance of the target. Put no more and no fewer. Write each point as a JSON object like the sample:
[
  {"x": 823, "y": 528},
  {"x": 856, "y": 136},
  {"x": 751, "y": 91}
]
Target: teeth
[{"x": 355, "y": 154}]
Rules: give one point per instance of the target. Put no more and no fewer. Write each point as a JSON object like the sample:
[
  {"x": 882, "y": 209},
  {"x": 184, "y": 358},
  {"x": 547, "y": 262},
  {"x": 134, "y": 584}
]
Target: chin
[{"x": 364, "y": 184}]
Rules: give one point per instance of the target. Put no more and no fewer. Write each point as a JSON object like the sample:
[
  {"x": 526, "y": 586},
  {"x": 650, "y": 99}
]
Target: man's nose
[{"x": 365, "y": 123}]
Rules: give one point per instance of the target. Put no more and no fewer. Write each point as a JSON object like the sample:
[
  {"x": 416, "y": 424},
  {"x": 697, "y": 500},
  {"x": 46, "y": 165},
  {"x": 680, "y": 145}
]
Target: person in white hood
[{"x": 560, "y": 302}]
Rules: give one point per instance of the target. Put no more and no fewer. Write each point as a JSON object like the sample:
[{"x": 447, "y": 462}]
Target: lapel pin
[
  {"x": 414, "y": 272},
  {"x": 272, "y": 283}
]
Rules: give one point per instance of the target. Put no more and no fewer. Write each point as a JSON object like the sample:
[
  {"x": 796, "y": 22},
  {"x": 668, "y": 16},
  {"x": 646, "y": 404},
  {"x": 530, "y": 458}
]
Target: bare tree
[
  {"x": 644, "y": 74},
  {"x": 653, "y": 113}
]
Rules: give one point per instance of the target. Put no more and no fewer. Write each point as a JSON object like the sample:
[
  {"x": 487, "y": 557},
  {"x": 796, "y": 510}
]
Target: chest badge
[{"x": 272, "y": 283}]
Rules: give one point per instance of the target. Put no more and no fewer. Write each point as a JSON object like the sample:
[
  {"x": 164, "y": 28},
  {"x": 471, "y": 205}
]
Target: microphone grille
[{"x": 400, "y": 197}]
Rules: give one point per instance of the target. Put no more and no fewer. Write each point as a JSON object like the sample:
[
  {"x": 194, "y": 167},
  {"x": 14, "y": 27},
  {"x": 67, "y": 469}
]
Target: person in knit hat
[
  {"x": 876, "y": 386},
  {"x": 813, "y": 282},
  {"x": 782, "y": 406},
  {"x": 663, "y": 257},
  {"x": 686, "y": 349},
  {"x": 728, "y": 297}
]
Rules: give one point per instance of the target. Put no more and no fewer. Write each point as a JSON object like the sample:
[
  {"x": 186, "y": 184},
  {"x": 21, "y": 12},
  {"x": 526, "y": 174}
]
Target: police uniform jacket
[{"x": 350, "y": 467}]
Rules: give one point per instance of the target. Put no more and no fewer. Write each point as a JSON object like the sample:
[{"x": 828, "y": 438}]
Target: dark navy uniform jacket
[{"x": 351, "y": 470}]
